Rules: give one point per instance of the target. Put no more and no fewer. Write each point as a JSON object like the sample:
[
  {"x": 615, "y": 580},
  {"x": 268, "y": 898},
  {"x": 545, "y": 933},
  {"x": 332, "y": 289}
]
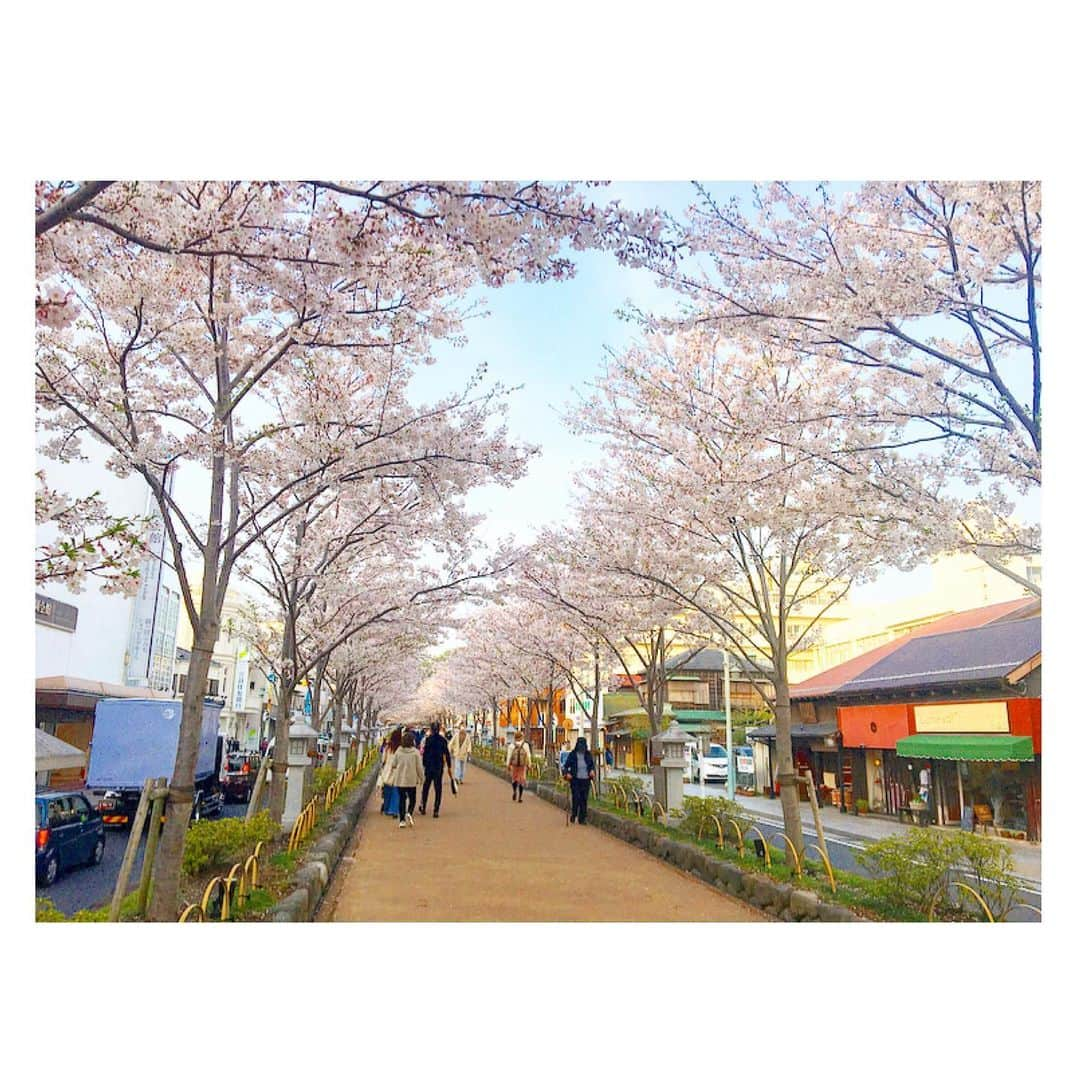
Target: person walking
[
  {"x": 390, "y": 797},
  {"x": 518, "y": 757},
  {"x": 436, "y": 755},
  {"x": 406, "y": 773},
  {"x": 579, "y": 770},
  {"x": 564, "y": 753},
  {"x": 460, "y": 749}
]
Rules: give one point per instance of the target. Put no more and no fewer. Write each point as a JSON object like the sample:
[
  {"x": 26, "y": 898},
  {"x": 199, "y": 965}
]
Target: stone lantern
[
  {"x": 302, "y": 742},
  {"x": 668, "y": 761},
  {"x": 348, "y": 738}
]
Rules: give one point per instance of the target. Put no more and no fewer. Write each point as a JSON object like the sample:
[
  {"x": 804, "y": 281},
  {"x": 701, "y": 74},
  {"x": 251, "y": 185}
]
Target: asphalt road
[{"x": 90, "y": 886}]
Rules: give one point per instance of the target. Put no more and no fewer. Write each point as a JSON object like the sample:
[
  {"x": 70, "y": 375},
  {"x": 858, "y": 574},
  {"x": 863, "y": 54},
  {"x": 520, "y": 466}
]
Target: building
[
  {"x": 957, "y": 583},
  {"x": 91, "y": 645},
  {"x": 235, "y": 678},
  {"x": 951, "y": 713}
]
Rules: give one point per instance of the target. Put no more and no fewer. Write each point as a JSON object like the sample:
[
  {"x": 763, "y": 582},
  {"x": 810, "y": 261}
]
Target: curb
[{"x": 313, "y": 877}]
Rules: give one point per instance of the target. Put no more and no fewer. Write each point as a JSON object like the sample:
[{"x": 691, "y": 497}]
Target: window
[
  {"x": 1034, "y": 575},
  {"x": 179, "y": 683},
  {"x": 215, "y": 685}
]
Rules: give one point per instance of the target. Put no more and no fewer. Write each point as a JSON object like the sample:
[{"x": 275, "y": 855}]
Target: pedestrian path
[{"x": 487, "y": 859}]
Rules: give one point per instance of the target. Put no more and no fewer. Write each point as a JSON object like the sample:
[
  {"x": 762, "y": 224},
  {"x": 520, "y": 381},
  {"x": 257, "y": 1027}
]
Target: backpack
[{"x": 517, "y": 756}]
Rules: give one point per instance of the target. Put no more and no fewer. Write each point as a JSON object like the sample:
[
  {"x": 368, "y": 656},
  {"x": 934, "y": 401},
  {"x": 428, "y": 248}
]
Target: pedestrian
[
  {"x": 518, "y": 756},
  {"x": 609, "y": 759},
  {"x": 406, "y": 772},
  {"x": 390, "y": 798},
  {"x": 460, "y": 749},
  {"x": 580, "y": 772},
  {"x": 436, "y": 755}
]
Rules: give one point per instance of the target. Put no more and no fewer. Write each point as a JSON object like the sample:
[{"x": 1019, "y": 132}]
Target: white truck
[{"x": 135, "y": 740}]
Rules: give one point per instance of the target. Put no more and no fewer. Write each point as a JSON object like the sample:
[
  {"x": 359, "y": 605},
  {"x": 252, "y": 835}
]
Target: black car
[{"x": 68, "y": 832}]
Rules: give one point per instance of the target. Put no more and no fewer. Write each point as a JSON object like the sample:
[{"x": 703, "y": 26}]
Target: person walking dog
[
  {"x": 405, "y": 773},
  {"x": 460, "y": 749},
  {"x": 436, "y": 755},
  {"x": 518, "y": 757},
  {"x": 579, "y": 770}
]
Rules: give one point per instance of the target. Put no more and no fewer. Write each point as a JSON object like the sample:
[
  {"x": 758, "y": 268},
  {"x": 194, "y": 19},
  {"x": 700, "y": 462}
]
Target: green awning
[{"x": 967, "y": 747}]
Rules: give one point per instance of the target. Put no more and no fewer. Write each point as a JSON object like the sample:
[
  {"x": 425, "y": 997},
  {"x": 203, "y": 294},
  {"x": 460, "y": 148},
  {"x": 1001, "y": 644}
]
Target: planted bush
[
  {"x": 915, "y": 867},
  {"x": 220, "y": 843},
  {"x": 699, "y": 811},
  {"x": 323, "y": 777}
]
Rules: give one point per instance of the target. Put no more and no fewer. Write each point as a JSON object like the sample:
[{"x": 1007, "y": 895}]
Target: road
[
  {"x": 844, "y": 849},
  {"x": 89, "y": 886}
]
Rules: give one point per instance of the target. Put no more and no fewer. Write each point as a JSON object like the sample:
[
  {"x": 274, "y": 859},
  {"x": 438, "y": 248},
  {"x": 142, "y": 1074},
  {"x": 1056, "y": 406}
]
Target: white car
[{"x": 711, "y": 765}]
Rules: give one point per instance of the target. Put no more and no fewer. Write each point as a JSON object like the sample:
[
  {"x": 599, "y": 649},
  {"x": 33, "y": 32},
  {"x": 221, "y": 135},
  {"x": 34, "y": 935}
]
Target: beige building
[
  {"x": 959, "y": 583},
  {"x": 235, "y": 677}
]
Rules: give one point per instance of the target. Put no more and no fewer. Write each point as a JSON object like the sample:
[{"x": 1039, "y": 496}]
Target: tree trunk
[
  {"x": 170, "y": 852},
  {"x": 785, "y": 758},
  {"x": 335, "y": 743},
  {"x": 281, "y": 751}
]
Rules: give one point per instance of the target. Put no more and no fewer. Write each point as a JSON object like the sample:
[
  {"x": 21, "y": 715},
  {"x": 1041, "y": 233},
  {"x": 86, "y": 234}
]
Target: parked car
[
  {"x": 711, "y": 765},
  {"x": 238, "y": 772},
  {"x": 68, "y": 832}
]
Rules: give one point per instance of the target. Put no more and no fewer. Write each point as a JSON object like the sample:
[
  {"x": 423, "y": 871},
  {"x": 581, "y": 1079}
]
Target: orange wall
[
  {"x": 896, "y": 721},
  {"x": 1025, "y": 718},
  {"x": 892, "y": 722}
]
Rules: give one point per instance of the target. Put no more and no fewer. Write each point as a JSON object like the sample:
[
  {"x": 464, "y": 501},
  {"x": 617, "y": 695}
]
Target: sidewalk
[
  {"x": 864, "y": 828},
  {"x": 488, "y": 859}
]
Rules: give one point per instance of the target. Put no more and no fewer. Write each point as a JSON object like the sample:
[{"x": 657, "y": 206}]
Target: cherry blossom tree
[
  {"x": 173, "y": 316},
  {"x": 729, "y": 485},
  {"x": 89, "y": 543},
  {"x": 930, "y": 288}
]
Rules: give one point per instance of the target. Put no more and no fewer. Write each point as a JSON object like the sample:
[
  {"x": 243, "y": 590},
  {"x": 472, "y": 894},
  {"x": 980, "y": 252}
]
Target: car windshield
[{"x": 716, "y": 752}]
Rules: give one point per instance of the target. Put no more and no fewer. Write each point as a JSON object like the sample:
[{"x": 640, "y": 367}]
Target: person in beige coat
[
  {"x": 518, "y": 757},
  {"x": 460, "y": 749},
  {"x": 406, "y": 771}
]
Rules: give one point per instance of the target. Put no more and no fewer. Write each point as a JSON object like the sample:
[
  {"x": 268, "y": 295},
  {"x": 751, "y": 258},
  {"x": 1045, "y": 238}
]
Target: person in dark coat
[
  {"x": 436, "y": 754},
  {"x": 580, "y": 771}
]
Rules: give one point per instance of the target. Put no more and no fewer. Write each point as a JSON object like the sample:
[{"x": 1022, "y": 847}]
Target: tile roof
[{"x": 831, "y": 680}]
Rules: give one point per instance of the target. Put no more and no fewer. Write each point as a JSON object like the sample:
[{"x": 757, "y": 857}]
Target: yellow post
[
  {"x": 787, "y": 840},
  {"x": 828, "y": 865},
  {"x": 192, "y": 909},
  {"x": 738, "y": 831}
]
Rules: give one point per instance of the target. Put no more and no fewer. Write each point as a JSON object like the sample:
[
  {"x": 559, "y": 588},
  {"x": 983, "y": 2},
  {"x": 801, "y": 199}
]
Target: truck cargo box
[{"x": 135, "y": 739}]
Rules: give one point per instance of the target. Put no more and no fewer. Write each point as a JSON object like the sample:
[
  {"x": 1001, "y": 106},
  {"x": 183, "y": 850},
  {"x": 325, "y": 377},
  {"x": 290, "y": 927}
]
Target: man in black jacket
[
  {"x": 578, "y": 769},
  {"x": 436, "y": 754}
]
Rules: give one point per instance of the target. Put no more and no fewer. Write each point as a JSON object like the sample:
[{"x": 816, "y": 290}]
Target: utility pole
[{"x": 727, "y": 727}]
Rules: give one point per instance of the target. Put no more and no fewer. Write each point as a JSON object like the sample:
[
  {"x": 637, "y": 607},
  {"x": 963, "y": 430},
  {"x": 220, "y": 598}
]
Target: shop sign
[
  {"x": 975, "y": 716},
  {"x": 52, "y": 612},
  {"x": 743, "y": 763}
]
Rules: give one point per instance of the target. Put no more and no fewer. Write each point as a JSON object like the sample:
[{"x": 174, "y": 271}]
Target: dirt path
[{"x": 488, "y": 859}]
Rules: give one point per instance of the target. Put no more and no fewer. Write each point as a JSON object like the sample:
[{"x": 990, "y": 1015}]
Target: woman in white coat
[
  {"x": 460, "y": 749},
  {"x": 405, "y": 773}
]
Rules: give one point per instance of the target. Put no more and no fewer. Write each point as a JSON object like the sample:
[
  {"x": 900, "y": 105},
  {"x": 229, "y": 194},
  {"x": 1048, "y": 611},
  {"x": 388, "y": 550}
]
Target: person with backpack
[
  {"x": 405, "y": 773},
  {"x": 579, "y": 770},
  {"x": 436, "y": 755},
  {"x": 518, "y": 757}
]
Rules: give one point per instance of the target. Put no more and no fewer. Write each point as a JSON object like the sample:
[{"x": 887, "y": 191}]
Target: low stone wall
[
  {"x": 776, "y": 898},
  {"x": 313, "y": 876}
]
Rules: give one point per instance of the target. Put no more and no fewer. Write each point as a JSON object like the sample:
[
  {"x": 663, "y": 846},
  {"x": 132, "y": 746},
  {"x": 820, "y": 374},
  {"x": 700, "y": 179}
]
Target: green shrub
[
  {"x": 915, "y": 867},
  {"x": 212, "y": 844},
  {"x": 323, "y": 777},
  {"x": 699, "y": 812}
]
